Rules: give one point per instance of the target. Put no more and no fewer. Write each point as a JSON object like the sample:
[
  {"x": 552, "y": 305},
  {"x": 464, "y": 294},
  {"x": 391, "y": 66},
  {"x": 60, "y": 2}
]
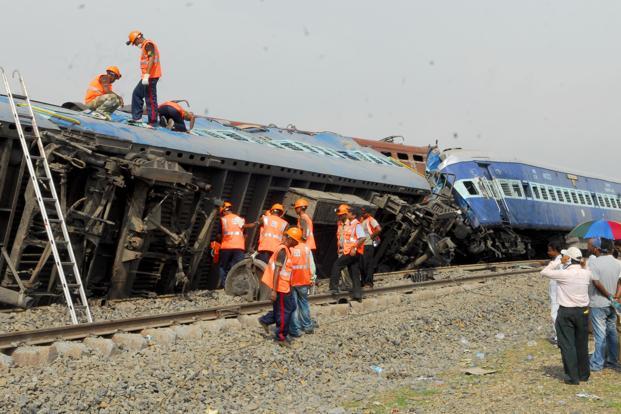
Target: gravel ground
[
  {"x": 339, "y": 369},
  {"x": 57, "y": 315}
]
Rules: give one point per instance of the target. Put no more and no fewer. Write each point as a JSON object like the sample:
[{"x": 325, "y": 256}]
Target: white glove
[{"x": 145, "y": 79}]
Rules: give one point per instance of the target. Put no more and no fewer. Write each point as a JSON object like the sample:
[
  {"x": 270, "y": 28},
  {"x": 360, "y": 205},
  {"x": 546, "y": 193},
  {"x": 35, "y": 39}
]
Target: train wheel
[{"x": 244, "y": 279}]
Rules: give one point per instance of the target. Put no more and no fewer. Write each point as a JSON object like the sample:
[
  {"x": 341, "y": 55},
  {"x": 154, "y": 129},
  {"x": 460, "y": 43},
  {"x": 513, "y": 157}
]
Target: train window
[
  {"x": 544, "y": 193},
  {"x": 517, "y": 190},
  {"x": 536, "y": 192},
  {"x": 607, "y": 202},
  {"x": 472, "y": 190},
  {"x": 574, "y": 197},
  {"x": 552, "y": 195},
  {"x": 587, "y": 197},
  {"x": 418, "y": 158},
  {"x": 506, "y": 188},
  {"x": 613, "y": 202},
  {"x": 386, "y": 153},
  {"x": 559, "y": 194},
  {"x": 567, "y": 197},
  {"x": 581, "y": 197},
  {"x": 402, "y": 156},
  {"x": 600, "y": 200}
]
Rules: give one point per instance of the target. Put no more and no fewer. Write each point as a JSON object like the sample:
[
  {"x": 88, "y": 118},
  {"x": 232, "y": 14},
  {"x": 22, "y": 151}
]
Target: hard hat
[
  {"x": 225, "y": 206},
  {"x": 277, "y": 207},
  {"x": 301, "y": 202},
  {"x": 115, "y": 70},
  {"x": 133, "y": 35},
  {"x": 342, "y": 209},
  {"x": 295, "y": 233}
]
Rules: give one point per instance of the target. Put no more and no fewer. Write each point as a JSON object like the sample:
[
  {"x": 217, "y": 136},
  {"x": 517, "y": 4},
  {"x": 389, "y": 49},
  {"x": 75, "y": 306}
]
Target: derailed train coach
[{"x": 141, "y": 204}]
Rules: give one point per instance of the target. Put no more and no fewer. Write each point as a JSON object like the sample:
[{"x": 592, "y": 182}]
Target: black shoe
[
  {"x": 265, "y": 326},
  {"x": 570, "y": 382}
]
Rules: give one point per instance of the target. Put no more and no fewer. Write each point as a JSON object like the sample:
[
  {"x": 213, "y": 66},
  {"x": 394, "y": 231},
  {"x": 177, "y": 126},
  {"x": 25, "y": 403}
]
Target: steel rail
[
  {"x": 467, "y": 267},
  {"x": 109, "y": 327}
]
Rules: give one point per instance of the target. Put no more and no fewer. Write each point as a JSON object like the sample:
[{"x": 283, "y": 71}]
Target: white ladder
[{"x": 51, "y": 212}]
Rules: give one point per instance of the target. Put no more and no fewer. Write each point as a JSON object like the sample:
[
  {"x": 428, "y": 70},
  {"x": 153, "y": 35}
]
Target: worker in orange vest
[
  {"x": 173, "y": 116},
  {"x": 372, "y": 229},
  {"x": 100, "y": 98},
  {"x": 277, "y": 276},
  {"x": 233, "y": 245},
  {"x": 350, "y": 240},
  {"x": 302, "y": 278},
  {"x": 305, "y": 222},
  {"x": 151, "y": 70},
  {"x": 271, "y": 231}
]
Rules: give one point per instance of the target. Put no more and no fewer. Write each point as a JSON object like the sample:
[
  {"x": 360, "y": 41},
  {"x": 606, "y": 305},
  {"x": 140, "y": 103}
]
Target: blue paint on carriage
[{"x": 529, "y": 212}]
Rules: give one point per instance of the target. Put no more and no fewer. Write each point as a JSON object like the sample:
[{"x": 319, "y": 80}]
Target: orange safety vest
[
  {"x": 270, "y": 234},
  {"x": 215, "y": 251},
  {"x": 346, "y": 237},
  {"x": 156, "y": 69},
  {"x": 232, "y": 232},
  {"x": 284, "y": 277},
  {"x": 309, "y": 236},
  {"x": 174, "y": 105},
  {"x": 300, "y": 265},
  {"x": 95, "y": 89}
]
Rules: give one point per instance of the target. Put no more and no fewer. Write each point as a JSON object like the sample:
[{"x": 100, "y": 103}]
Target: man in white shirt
[
  {"x": 573, "y": 313},
  {"x": 554, "y": 253}
]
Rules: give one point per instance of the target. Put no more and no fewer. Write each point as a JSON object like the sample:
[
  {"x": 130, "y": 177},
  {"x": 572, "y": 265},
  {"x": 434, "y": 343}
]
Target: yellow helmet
[
  {"x": 277, "y": 206},
  {"x": 295, "y": 233},
  {"x": 301, "y": 202},
  {"x": 225, "y": 206},
  {"x": 342, "y": 209},
  {"x": 133, "y": 35},
  {"x": 115, "y": 70}
]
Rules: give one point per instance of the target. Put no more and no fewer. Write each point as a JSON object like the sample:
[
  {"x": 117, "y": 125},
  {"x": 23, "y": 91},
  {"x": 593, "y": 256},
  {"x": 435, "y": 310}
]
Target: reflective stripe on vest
[
  {"x": 309, "y": 236},
  {"x": 95, "y": 89},
  {"x": 175, "y": 106},
  {"x": 346, "y": 236},
  {"x": 271, "y": 232},
  {"x": 300, "y": 265},
  {"x": 232, "y": 234},
  {"x": 156, "y": 69},
  {"x": 284, "y": 277},
  {"x": 370, "y": 229}
]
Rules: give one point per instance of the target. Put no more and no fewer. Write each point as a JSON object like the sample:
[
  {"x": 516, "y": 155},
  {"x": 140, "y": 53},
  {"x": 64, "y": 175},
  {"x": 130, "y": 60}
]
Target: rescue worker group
[
  {"x": 101, "y": 101},
  {"x": 288, "y": 252}
]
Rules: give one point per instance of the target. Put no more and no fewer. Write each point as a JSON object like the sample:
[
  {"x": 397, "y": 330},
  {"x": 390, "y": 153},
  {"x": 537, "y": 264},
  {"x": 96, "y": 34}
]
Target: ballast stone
[
  {"x": 129, "y": 341},
  {"x": 69, "y": 349},
  {"x": 103, "y": 346},
  {"x": 34, "y": 356}
]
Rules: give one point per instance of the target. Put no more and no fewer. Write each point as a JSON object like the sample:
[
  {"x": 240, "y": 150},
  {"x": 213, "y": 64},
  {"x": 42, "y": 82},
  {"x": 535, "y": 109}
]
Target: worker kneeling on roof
[
  {"x": 271, "y": 232},
  {"x": 173, "y": 116},
  {"x": 100, "y": 98},
  {"x": 277, "y": 276}
]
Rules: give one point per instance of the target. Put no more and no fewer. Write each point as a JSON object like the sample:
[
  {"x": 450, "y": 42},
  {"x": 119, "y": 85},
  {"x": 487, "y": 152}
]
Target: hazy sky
[{"x": 537, "y": 79}]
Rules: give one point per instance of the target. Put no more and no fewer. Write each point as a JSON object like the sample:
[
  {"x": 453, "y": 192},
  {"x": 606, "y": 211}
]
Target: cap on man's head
[
  {"x": 596, "y": 242},
  {"x": 573, "y": 253}
]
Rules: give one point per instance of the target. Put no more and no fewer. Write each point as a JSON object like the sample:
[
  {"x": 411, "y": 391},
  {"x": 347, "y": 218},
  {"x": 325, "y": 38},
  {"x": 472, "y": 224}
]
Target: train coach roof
[
  {"x": 322, "y": 153},
  {"x": 457, "y": 155}
]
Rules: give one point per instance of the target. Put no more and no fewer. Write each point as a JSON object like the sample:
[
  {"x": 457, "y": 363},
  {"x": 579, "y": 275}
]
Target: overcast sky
[{"x": 537, "y": 79}]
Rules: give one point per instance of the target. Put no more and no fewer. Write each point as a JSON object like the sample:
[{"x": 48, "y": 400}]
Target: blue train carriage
[{"x": 502, "y": 192}]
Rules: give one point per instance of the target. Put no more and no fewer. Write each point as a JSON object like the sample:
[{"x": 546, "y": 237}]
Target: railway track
[{"x": 109, "y": 327}]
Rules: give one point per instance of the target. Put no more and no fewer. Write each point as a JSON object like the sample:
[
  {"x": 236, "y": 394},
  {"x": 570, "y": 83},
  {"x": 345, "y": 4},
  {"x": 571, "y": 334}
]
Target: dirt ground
[{"x": 528, "y": 379}]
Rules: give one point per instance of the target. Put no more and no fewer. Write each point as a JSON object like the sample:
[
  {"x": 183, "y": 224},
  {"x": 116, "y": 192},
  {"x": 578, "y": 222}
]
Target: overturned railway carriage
[
  {"x": 512, "y": 208},
  {"x": 141, "y": 203}
]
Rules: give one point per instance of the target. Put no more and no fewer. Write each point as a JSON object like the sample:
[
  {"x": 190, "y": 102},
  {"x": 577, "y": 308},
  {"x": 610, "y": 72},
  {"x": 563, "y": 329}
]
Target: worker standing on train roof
[
  {"x": 233, "y": 245},
  {"x": 350, "y": 240},
  {"x": 151, "y": 70},
  {"x": 305, "y": 222},
  {"x": 100, "y": 98},
  {"x": 173, "y": 116},
  {"x": 277, "y": 276},
  {"x": 302, "y": 278},
  {"x": 271, "y": 232},
  {"x": 372, "y": 229}
]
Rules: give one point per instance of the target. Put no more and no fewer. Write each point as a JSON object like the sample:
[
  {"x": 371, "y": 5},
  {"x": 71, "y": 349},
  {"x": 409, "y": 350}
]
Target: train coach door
[{"x": 495, "y": 191}]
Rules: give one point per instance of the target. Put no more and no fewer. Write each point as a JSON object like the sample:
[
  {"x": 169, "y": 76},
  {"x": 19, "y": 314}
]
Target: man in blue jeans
[
  {"x": 302, "y": 277},
  {"x": 151, "y": 71},
  {"x": 603, "y": 292}
]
